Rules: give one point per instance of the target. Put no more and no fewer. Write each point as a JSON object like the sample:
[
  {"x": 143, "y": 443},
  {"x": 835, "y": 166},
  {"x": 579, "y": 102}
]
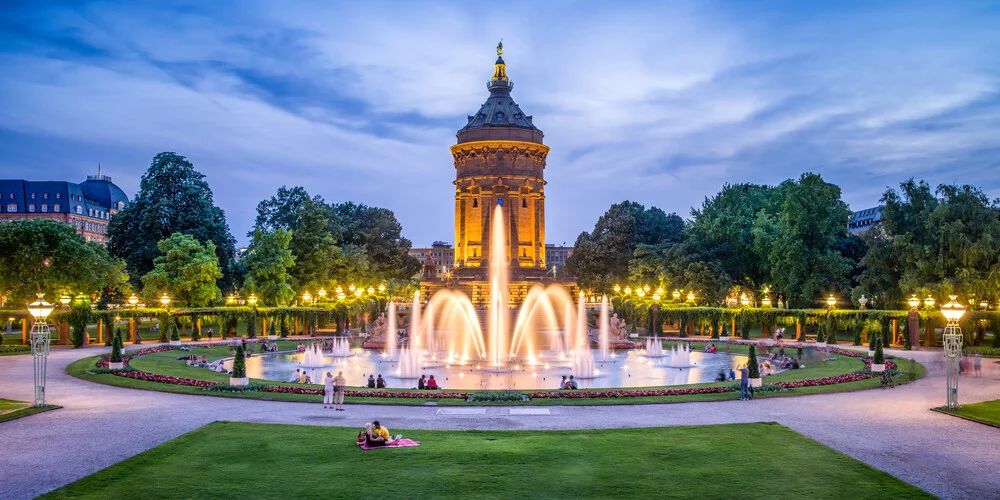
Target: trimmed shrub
[
  {"x": 239, "y": 363},
  {"x": 195, "y": 329},
  {"x": 252, "y": 326},
  {"x": 284, "y": 327},
  {"x": 497, "y": 396},
  {"x": 164, "y": 327},
  {"x": 271, "y": 329},
  {"x": 879, "y": 357},
  {"x": 872, "y": 340},
  {"x": 752, "y": 364},
  {"x": 116, "y": 347},
  {"x": 174, "y": 334}
]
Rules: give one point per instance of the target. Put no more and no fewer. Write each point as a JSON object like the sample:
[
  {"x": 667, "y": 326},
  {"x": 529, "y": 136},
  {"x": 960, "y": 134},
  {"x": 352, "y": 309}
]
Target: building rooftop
[{"x": 500, "y": 110}]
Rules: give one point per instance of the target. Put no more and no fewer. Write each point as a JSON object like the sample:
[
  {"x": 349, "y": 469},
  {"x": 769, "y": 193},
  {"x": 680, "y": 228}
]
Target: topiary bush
[
  {"x": 271, "y": 329},
  {"x": 284, "y": 327},
  {"x": 872, "y": 340},
  {"x": 239, "y": 363},
  {"x": 116, "y": 346},
  {"x": 164, "y": 327},
  {"x": 174, "y": 334},
  {"x": 195, "y": 329},
  {"x": 879, "y": 357},
  {"x": 752, "y": 364},
  {"x": 252, "y": 326}
]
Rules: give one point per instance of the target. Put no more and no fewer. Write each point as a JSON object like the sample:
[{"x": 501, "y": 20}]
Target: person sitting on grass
[
  {"x": 383, "y": 432},
  {"x": 370, "y": 437},
  {"x": 572, "y": 383},
  {"x": 431, "y": 383},
  {"x": 371, "y": 381},
  {"x": 380, "y": 382},
  {"x": 564, "y": 384},
  {"x": 422, "y": 383}
]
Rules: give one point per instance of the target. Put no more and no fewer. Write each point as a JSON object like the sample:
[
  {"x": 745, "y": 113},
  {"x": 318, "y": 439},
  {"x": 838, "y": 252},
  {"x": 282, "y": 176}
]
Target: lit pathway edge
[{"x": 892, "y": 430}]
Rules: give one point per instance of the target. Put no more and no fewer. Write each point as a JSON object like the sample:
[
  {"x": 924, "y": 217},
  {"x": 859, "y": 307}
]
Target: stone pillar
[
  {"x": 541, "y": 232},
  {"x": 894, "y": 331},
  {"x": 133, "y": 331},
  {"x": 63, "y": 330},
  {"x": 929, "y": 334},
  {"x": 100, "y": 330},
  {"x": 24, "y": 331},
  {"x": 484, "y": 243},
  {"x": 798, "y": 329},
  {"x": 732, "y": 328},
  {"x": 514, "y": 243}
]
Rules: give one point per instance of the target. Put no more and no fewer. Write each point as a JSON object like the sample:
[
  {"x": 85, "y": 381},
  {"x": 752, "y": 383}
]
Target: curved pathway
[{"x": 891, "y": 430}]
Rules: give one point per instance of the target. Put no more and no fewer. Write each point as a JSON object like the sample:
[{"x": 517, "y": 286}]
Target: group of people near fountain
[
  {"x": 427, "y": 383},
  {"x": 568, "y": 383},
  {"x": 333, "y": 391},
  {"x": 376, "y": 383}
]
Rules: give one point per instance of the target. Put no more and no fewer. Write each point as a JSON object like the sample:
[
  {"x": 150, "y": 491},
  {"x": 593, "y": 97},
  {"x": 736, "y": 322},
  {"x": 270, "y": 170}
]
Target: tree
[
  {"x": 602, "y": 257},
  {"x": 186, "y": 269},
  {"x": 379, "y": 236},
  {"x": 752, "y": 365},
  {"x": 267, "y": 262},
  {"x": 803, "y": 260},
  {"x": 722, "y": 230},
  {"x": 173, "y": 198},
  {"x": 313, "y": 245},
  {"x": 47, "y": 256},
  {"x": 879, "y": 357}
]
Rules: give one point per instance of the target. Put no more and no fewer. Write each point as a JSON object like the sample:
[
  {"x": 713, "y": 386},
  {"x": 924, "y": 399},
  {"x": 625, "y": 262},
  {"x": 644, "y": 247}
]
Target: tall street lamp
[
  {"x": 40, "y": 341},
  {"x": 952, "y": 339},
  {"x": 913, "y": 321}
]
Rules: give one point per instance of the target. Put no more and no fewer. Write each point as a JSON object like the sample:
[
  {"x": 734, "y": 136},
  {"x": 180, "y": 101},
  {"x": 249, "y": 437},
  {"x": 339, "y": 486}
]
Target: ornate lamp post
[
  {"x": 252, "y": 300},
  {"x": 766, "y": 301},
  {"x": 676, "y": 295},
  {"x": 307, "y": 297},
  {"x": 831, "y": 301},
  {"x": 322, "y": 294},
  {"x": 952, "y": 338},
  {"x": 744, "y": 300},
  {"x": 690, "y": 297},
  {"x": 40, "y": 341},
  {"x": 381, "y": 289},
  {"x": 165, "y": 300}
]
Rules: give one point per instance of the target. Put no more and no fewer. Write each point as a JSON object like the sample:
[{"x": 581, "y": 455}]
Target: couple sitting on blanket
[{"x": 376, "y": 435}]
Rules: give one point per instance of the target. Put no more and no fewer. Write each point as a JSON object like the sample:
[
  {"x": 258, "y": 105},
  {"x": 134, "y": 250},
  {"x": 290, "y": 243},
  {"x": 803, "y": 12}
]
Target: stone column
[
  {"x": 513, "y": 244},
  {"x": 24, "y": 331},
  {"x": 100, "y": 331},
  {"x": 133, "y": 331},
  {"x": 798, "y": 329},
  {"x": 539, "y": 249},
  {"x": 541, "y": 224},
  {"x": 484, "y": 243},
  {"x": 913, "y": 328}
]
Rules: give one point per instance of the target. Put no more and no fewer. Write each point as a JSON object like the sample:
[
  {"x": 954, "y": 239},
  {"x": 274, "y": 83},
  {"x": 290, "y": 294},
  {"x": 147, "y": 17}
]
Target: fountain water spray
[
  {"x": 604, "y": 326},
  {"x": 390, "y": 337}
]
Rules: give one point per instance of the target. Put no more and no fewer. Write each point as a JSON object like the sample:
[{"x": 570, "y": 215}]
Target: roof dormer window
[
  {"x": 32, "y": 196},
  {"x": 45, "y": 196}
]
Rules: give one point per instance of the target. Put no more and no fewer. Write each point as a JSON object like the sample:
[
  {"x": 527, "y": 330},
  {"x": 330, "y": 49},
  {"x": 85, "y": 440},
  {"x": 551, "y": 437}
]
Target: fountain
[
  {"x": 390, "y": 336},
  {"x": 654, "y": 348},
  {"x": 409, "y": 363},
  {"x": 341, "y": 348},
  {"x": 313, "y": 357},
  {"x": 680, "y": 357}
]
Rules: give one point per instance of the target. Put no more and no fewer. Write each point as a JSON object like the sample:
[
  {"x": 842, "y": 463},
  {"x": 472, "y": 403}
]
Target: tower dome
[{"x": 500, "y": 117}]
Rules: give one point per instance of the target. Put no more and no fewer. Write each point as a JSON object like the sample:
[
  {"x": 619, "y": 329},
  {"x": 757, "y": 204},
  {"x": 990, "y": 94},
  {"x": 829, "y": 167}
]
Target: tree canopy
[
  {"x": 39, "y": 255},
  {"x": 267, "y": 262},
  {"x": 173, "y": 198},
  {"x": 186, "y": 269}
]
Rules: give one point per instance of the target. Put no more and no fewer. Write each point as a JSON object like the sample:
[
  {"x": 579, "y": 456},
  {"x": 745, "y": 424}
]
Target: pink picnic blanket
[{"x": 402, "y": 443}]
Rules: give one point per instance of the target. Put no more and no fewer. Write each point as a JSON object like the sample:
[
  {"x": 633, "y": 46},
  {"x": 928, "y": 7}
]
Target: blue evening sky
[{"x": 658, "y": 102}]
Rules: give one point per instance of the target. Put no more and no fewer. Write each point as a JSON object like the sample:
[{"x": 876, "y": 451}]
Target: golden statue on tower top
[{"x": 500, "y": 49}]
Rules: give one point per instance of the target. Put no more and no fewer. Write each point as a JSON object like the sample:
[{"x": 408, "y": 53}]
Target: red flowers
[
  {"x": 839, "y": 379},
  {"x": 370, "y": 394},
  {"x": 629, "y": 393},
  {"x": 152, "y": 377}
]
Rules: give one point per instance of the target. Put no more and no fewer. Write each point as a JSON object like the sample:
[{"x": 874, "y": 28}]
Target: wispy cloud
[{"x": 660, "y": 102}]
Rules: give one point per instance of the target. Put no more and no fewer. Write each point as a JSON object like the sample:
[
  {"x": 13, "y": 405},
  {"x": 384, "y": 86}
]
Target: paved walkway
[{"x": 891, "y": 430}]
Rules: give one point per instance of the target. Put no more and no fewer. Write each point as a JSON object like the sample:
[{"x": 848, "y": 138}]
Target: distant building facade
[
  {"x": 864, "y": 220},
  {"x": 87, "y": 206},
  {"x": 442, "y": 255}
]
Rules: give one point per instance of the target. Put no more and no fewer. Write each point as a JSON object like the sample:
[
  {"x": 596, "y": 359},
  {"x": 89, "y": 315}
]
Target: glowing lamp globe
[
  {"x": 656, "y": 297},
  {"x": 953, "y": 311},
  {"x": 307, "y": 297},
  {"x": 767, "y": 301},
  {"x": 744, "y": 300},
  {"x": 659, "y": 290},
  {"x": 381, "y": 288},
  {"x": 322, "y": 293},
  {"x": 252, "y": 300},
  {"x": 645, "y": 288},
  {"x": 914, "y": 302},
  {"x": 339, "y": 290},
  {"x": 358, "y": 292},
  {"x": 133, "y": 300},
  {"x": 617, "y": 288},
  {"x": 231, "y": 299},
  {"x": 341, "y": 296},
  {"x": 64, "y": 300},
  {"x": 676, "y": 295},
  {"x": 929, "y": 301},
  {"x": 690, "y": 297},
  {"x": 40, "y": 309},
  {"x": 628, "y": 290},
  {"x": 984, "y": 305},
  {"x": 641, "y": 293},
  {"x": 831, "y": 301},
  {"x": 352, "y": 287},
  {"x": 371, "y": 290},
  {"x": 165, "y": 300}
]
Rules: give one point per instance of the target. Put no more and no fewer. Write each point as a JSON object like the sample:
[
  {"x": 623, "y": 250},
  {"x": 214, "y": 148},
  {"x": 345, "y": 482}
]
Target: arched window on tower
[
  {"x": 524, "y": 203},
  {"x": 475, "y": 203}
]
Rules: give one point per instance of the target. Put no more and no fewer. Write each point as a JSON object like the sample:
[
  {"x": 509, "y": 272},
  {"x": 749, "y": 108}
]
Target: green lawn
[
  {"x": 761, "y": 460},
  {"x": 10, "y": 409},
  {"x": 165, "y": 363},
  {"x": 987, "y": 412}
]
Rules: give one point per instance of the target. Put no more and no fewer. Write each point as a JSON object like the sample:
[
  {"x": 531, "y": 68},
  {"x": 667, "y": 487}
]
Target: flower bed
[{"x": 614, "y": 393}]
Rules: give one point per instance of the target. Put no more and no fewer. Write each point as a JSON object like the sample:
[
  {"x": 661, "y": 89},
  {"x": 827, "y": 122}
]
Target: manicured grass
[
  {"x": 987, "y": 412},
  {"x": 165, "y": 363},
  {"x": 10, "y": 409},
  {"x": 718, "y": 461}
]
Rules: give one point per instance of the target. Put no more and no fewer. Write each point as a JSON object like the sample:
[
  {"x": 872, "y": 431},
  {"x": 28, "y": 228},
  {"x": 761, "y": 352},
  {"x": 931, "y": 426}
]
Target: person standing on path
[
  {"x": 744, "y": 383},
  {"x": 328, "y": 391},
  {"x": 339, "y": 386},
  {"x": 977, "y": 365}
]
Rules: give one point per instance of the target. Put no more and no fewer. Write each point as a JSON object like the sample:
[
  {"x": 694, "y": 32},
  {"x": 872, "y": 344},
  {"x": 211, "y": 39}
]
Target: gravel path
[{"x": 891, "y": 430}]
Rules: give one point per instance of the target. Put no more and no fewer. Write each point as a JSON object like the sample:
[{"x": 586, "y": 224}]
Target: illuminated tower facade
[{"x": 500, "y": 159}]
